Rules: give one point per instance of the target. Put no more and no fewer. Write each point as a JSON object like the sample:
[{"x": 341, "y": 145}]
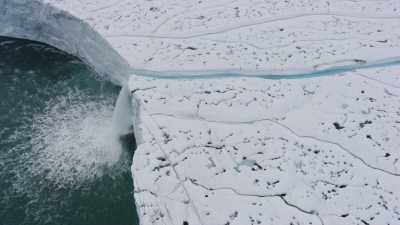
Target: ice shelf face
[
  {"x": 34, "y": 20},
  {"x": 250, "y": 36},
  {"x": 257, "y": 151}
]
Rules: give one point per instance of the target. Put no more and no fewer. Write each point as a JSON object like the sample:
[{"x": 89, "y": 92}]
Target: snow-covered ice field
[{"x": 258, "y": 151}]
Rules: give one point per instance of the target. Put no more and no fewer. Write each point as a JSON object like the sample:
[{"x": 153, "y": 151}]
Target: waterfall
[{"x": 122, "y": 117}]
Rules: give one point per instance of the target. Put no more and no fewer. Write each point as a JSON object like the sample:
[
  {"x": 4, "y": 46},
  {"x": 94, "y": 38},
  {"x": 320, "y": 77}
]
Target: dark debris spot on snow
[
  {"x": 161, "y": 159},
  {"x": 365, "y": 123},
  {"x": 191, "y": 48},
  {"x": 338, "y": 126}
]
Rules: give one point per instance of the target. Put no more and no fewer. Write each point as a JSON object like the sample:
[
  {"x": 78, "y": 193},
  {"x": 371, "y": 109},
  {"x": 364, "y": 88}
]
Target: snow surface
[
  {"x": 257, "y": 151},
  {"x": 243, "y": 35},
  {"x": 217, "y": 145}
]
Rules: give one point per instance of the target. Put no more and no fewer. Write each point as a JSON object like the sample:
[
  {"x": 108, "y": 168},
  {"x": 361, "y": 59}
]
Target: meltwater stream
[{"x": 59, "y": 163}]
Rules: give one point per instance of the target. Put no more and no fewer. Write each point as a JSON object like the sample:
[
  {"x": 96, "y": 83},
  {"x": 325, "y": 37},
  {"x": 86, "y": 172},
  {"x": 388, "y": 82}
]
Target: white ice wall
[{"x": 34, "y": 20}]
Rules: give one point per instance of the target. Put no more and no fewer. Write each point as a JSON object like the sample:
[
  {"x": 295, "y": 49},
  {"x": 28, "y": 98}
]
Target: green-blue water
[{"x": 57, "y": 163}]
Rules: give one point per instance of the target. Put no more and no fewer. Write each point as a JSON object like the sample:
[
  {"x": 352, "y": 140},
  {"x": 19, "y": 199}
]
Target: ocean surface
[{"x": 58, "y": 163}]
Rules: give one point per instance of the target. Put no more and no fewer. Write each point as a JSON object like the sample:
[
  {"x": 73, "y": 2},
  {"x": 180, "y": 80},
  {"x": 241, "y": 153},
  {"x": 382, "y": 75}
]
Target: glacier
[{"x": 244, "y": 112}]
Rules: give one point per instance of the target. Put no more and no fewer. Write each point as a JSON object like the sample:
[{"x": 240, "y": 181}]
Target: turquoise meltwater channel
[{"x": 58, "y": 163}]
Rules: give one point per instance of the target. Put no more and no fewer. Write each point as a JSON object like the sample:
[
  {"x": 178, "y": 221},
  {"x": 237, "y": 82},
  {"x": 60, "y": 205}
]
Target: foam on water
[
  {"x": 76, "y": 135},
  {"x": 72, "y": 141}
]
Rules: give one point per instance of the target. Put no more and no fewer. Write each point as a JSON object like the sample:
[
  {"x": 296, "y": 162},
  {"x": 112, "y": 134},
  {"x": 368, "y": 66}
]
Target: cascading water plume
[{"x": 122, "y": 117}]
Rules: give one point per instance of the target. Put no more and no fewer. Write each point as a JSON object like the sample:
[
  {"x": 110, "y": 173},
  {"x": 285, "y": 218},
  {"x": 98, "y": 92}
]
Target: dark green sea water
[{"x": 58, "y": 164}]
